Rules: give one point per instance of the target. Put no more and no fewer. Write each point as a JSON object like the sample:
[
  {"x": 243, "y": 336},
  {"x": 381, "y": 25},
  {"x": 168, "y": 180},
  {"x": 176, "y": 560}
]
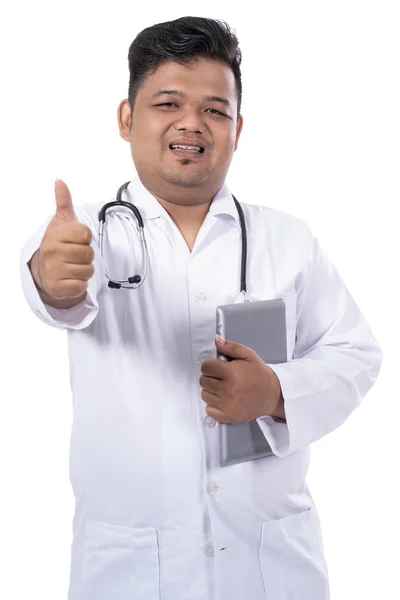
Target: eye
[{"x": 217, "y": 112}]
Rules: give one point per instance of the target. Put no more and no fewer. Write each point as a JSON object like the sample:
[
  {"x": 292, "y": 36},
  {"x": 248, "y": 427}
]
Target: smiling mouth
[{"x": 189, "y": 153}]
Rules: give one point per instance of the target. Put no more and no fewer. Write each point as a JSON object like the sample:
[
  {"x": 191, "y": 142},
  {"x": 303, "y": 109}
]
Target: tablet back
[{"x": 261, "y": 325}]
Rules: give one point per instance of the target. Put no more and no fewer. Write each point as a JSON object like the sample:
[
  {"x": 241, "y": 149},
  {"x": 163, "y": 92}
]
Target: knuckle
[
  {"x": 46, "y": 250},
  {"x": 90, "y": 254},
  {"x": 88, "y": 235},
  {"x": 82, "y": 233}
]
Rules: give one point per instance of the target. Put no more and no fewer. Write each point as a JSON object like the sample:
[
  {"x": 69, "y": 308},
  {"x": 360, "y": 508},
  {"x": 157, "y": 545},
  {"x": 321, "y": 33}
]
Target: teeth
[{"x": 182, "y": 147}]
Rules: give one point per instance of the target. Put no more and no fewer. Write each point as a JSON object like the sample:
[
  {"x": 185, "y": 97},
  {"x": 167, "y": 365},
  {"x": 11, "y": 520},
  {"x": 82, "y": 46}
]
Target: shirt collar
[{"x": 151, "y": 208}]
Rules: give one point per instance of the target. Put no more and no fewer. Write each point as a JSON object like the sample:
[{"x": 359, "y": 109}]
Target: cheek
[
  {"x": 145, "y": 143},
  {"x": 147, "y": 131},
  {"x": 222, "y": 156},
  {"x": 224, "y": 144}
]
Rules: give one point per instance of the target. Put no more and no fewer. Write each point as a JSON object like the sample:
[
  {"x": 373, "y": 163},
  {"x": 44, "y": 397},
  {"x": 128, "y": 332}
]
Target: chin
[{"x": 186, "y": 180}]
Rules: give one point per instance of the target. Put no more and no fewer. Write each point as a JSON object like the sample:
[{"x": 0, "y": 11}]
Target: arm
[{"x": 336, "y": 360}]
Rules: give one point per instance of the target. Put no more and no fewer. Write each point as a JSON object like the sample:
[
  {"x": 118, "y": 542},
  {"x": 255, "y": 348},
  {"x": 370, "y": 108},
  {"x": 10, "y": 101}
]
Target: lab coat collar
[{"x": 151, "y": 208}]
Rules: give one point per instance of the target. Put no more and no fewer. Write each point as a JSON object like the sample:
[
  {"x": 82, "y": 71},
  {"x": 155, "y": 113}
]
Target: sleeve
[
  {"x": 78, "y": 316},
  {"x": 336, "y": 360}
]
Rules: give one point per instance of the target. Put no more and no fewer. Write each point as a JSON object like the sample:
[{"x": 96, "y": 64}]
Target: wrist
[
  {"x": 276, "y": 408},
  {"x": 279, "y": 410}
]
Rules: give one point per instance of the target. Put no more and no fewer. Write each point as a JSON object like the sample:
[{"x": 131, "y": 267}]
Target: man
[{"x": 156, "y": 516}]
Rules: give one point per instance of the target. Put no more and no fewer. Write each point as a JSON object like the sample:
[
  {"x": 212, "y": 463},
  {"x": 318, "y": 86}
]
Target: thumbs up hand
[
  {"x": 64, "y": 208},
  {"x": 65, "y": 258}
]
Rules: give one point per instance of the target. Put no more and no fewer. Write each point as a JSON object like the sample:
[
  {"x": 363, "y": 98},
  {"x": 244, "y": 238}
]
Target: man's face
[{"x": 189, "y": 112}]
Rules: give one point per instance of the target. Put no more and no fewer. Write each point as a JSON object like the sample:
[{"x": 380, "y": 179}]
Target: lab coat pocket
[
  {"x": 120, "y": 563},
  {"x": 292, "y": 560}
]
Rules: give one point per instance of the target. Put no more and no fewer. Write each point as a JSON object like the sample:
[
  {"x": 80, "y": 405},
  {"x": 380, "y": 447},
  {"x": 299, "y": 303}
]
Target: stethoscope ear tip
[{"x": 116, "y": 286}]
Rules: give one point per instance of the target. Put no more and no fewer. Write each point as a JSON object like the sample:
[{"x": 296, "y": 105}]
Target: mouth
[{"x": 190, "y": 152}]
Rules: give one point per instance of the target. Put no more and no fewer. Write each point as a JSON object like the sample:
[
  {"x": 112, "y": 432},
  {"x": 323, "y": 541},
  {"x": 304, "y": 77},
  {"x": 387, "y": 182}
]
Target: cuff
[
  {"x": 275, "y": 429},
  {"x": 77, "y": 317}
]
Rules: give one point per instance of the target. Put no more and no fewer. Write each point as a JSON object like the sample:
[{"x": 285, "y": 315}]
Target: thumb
[
  {"x": 64, "y": 209},
  {"x": 233, "y": 349}
]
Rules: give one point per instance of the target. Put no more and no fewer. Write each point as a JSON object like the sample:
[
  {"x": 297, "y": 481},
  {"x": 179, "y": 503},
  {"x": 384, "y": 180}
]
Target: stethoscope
[{"x": 137, "y": 280}]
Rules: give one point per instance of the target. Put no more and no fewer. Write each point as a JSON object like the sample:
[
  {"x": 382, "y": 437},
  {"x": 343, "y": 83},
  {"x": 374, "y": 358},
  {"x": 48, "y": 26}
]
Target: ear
[
  {"x": 239, "y": 128},
  {"x": 124, "y": 116}
]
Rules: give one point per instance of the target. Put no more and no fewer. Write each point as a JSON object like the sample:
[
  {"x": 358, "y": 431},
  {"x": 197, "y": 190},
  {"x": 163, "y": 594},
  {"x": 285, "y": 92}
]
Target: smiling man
[
  {"x": 183, "y": 127},
  {"x": 157, "y": 517}
]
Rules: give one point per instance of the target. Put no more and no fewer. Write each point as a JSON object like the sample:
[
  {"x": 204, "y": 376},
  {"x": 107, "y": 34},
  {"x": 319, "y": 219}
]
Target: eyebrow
[{"x": 223, "y": 101}]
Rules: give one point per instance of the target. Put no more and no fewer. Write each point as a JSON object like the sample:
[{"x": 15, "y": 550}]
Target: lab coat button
[
  {"x": 213, "y": 488},
  {"x": 210, "y": 550},
  {"x": 204, "y": 356},
  {"x": 209, "y": 421},
  {"x": 199, "y": 297}
]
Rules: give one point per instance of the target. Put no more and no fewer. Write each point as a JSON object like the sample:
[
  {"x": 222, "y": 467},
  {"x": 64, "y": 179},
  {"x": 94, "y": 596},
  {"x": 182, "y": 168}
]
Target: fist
[{"x": 65, "y": 257}]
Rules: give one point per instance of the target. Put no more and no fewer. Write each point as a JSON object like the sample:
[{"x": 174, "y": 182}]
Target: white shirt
[{"x": 156, "y": 516}]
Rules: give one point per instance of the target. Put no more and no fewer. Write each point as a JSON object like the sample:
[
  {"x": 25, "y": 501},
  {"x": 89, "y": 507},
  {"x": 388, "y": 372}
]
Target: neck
[
  {"x": 186, "y": 206},
  {"x": 193, "y": 214}
]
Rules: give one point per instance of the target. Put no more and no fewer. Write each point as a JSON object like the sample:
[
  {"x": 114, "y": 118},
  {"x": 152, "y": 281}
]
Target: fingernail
[{"x": 220, "y": 339}]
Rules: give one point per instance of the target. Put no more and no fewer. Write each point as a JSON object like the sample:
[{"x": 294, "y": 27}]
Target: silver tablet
[{"x": 261, "y": 325}]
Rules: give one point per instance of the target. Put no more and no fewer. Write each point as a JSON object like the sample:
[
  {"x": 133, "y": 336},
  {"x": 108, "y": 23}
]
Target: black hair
[{"x": 183, "y": 40}]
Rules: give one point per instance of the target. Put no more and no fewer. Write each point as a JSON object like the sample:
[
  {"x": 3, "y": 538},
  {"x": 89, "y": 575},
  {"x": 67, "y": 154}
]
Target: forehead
[{"x": 198, "y": 78}]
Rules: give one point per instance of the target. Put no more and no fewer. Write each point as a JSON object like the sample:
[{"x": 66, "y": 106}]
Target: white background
[{"x": 320, "y": 141}]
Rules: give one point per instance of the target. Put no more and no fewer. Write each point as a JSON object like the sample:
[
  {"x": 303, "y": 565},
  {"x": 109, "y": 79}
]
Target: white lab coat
[{"x": 156, "y": 517}]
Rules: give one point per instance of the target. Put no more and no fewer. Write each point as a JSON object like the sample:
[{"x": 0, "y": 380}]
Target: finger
[
  {"x": 78, "y": 254},
  {"x": 233, "y": 349},
  {"x": 64, "y": 208},
  {"x": 80, "y": 272},
  {"x": 210, "y": 384},
  {"x": 214, "y": 367},
  {"x": 221, "y": 415},
  {"x": 70, "y": 288},
  {"x": 75, "y": 233},
  {"x": 209, "y": 398},
  {"x": 216, "y": 414}
]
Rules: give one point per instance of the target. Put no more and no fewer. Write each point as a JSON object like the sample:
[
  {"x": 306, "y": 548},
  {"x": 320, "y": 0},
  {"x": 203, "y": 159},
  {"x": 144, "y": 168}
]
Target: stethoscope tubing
[{"x": 137, "y": 280}]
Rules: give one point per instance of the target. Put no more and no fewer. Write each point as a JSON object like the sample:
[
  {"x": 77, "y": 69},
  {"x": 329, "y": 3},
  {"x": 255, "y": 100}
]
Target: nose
[{"x": 190, "y": 120}]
